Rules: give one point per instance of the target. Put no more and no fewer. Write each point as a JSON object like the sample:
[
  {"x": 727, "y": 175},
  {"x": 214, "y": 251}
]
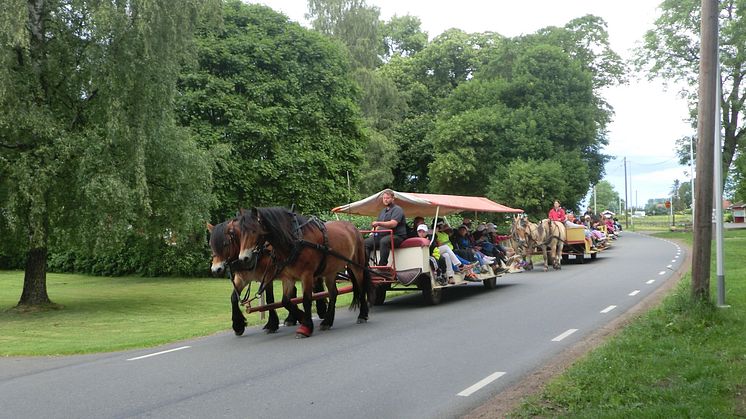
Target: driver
[{"x": 391, "y": 217}]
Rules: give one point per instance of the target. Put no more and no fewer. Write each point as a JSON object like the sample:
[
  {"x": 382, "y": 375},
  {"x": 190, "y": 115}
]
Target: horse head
[
  {"x": 253, "y": 236},
  {"x": 224, "y": 244},
  {"x": 520, "y": 230}
]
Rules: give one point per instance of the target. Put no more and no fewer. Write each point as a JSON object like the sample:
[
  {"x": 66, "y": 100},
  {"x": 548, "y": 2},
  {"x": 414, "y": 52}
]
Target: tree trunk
[{"x": 35, "y": 280}]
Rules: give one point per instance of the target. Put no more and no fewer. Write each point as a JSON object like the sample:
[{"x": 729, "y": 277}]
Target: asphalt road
[{"x": 408, "y": 361}]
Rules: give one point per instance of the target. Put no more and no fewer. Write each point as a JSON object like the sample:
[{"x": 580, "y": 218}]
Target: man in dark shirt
[{"x": 391, "y": 217}]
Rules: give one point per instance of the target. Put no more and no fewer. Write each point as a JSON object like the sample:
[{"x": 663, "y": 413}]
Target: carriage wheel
[
  {"x": 490, "y": 283},
  {"x": 565, "y": 257},
  {"x": 593, "y": 255},
  {"x": 432, "y": 295},
  {"x": 381, "y": 294},
  {"x": 580, "y": 258}
]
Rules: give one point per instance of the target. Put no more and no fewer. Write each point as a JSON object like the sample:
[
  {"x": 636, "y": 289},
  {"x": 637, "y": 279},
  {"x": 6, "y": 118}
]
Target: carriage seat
[{"x": 414, "y": 242}]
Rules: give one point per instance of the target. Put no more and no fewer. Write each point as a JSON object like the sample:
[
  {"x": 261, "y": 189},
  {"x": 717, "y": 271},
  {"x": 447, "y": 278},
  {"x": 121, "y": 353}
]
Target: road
[{"x": 408, "y": 361}]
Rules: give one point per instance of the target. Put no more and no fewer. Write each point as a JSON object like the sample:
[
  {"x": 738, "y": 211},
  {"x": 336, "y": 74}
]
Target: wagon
[
  {"x": 577, "y": 246},
  {"x": 409, "y": 267}
]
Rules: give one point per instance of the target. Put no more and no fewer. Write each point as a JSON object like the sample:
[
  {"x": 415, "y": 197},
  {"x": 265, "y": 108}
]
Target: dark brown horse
[
  {"x": 547, "y": 235},
  {"x": 225, "y": 241},
  {"x": 306, "y": 248}
]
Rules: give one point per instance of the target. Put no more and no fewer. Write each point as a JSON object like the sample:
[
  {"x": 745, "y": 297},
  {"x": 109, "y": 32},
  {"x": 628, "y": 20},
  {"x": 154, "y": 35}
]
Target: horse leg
[
  {"x": 273, "y": 323},
  {"x": 321, "y": 307},
  {"x": 239, "y": 321},
  {"x": 560, "y": 249},
  {"x": 291, "y": 319},
  {"x": 546, "y": 256},
  {"x": 288, "y": 287},
  {"x": 331, "y": 285},
  {"x": 306, "y": 321},
  {"x": 365, "y": 284}
]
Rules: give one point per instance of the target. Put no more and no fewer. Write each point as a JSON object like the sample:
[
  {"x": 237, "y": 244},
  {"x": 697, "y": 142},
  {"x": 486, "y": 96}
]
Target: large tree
[
  {"x": 671, "y": 53},
  {"x": 276, "y": 103},
  {"x": 89, "y": 151}
]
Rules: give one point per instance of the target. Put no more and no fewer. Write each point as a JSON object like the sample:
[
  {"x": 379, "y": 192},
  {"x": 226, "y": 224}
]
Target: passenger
[
  {"x": 445, "y": 247},
  {"x": 464, "y": 247},
  {"x": 558, "y": 214},
  {"x": 412, "y": 232},
  {"x": 444, "y": 263},
  {"x": 391, "y": 217}
]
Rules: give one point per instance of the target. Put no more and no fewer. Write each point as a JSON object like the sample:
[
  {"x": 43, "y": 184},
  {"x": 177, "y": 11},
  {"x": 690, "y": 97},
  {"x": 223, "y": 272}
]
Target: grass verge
[
  {"x": 678, "y": 360},
  {"x": 97, "y": 314}
]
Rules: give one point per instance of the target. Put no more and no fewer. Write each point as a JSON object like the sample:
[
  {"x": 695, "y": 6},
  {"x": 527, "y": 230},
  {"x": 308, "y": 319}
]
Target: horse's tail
[{"x": 362, "y": 287}]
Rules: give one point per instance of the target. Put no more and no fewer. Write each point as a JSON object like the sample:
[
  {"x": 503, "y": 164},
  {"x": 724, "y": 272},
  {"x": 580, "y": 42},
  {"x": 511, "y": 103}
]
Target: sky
[{"x": 648, "y": 118}]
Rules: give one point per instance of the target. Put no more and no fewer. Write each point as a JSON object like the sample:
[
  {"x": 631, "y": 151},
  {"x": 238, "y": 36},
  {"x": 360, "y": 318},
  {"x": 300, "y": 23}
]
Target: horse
[
  {"x": 225, "y": 245},
  {"x": 547, "y": 234},
  {"x": 307, "y": 248}
]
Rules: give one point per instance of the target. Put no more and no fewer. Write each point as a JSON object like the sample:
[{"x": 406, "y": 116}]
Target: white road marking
[
  {"x": 608, "y": 309},
  {"x": 650, "y": 282},
  {"x": 564, "y": 335},
  {"x": 662, "y": 273},
  {"x": 481, "y": 383},
  {"x": 669, "y": 266},
  {"x": 633, "y": 293},
  {"x": 159, "y": 353},
  {"x": 674, "y": 260}
]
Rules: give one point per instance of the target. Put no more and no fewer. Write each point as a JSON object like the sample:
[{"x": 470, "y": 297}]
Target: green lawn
[
  {"x": 107, "y": 314},
  {"x": 677, "y": 360}
]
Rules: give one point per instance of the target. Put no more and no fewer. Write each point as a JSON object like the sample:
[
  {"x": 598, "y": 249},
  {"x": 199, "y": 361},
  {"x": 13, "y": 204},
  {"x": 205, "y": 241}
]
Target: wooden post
[{"x": 705, "y": 151}]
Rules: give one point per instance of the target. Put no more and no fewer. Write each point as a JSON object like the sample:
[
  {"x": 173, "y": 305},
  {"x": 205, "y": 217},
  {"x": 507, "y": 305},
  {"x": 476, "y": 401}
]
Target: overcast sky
[{"x": 648, "y": 118}]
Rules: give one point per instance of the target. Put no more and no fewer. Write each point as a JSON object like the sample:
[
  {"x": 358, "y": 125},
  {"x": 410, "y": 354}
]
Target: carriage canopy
[{"x": 425, "y": 205}]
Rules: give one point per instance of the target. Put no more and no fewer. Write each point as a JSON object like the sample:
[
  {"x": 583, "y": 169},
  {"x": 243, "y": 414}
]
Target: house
[{"x": 739, "y": 212}]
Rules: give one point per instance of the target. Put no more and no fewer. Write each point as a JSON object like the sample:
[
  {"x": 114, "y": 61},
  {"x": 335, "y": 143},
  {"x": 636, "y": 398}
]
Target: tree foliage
[
  {"x": 275, "y": 103},
  {"x": 89, "y": 151},
  {"x": 671, "y": 53}
]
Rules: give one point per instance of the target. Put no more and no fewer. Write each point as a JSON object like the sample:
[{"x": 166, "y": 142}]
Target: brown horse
[
  {"x": 547, "y": 234},
  {"x": 306, "y": 248},
  {"x": 225, "y": 241}
]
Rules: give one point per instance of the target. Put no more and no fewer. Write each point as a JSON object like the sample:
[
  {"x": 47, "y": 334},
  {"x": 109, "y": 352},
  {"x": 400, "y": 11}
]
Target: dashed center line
[
  {"x": 481, "y": 383},
  {"x": 673, "y": 260},
  {"x": 669, "y": 266},
  {"x": 564, "y": 335},
  {"x": 608, "y": 309},
  {"x": 650, "y": 282},
  {"x": 159, "y": 353},
  {"x": 662, "y": 273},
  {"x": 633, "y": 293}
]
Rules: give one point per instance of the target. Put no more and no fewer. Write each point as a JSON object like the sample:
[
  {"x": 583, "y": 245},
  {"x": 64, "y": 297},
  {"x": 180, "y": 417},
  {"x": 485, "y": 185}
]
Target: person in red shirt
[{"x": 557, "y": 213}]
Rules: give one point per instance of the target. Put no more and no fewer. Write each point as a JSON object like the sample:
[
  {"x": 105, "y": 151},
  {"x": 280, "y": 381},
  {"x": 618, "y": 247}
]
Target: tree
[
  {"x": 671, "y": 52},
  {"x": 354, "y": 23},
  {"x": 89, "y": 151},
  {"x": 403, "y": 36},
  {"x": 275, "y": 103},
  {"x": 605, "y": 197}
]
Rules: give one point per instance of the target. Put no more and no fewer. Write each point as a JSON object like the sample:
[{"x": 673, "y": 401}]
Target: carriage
[
  {"x": 409, "y": 267},
  {"x": 577, "y": 246}
]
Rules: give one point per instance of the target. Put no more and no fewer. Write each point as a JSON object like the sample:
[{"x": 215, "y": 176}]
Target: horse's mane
[
  {"x": 280, "y": 228},
  {"x": 218, "y": 233}
]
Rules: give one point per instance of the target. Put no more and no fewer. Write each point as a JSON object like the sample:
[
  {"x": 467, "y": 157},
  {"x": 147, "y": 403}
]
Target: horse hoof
[
  {"x": 239, "y": 331},
  {"x": 270, "y": 331},
  {"x": 303, "y": 331},
  {"x": 361, "y": 321},
  {"x": 325, "y": 327}
]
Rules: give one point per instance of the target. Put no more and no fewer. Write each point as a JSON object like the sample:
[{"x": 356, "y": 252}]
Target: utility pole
[
  {"x": 702, "y": 245},
  {"x": 626, "y": 201}
]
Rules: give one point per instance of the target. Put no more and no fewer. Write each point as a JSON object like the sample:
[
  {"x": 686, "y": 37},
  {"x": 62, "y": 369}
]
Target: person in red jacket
[{"x": 557, "y": 213}]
